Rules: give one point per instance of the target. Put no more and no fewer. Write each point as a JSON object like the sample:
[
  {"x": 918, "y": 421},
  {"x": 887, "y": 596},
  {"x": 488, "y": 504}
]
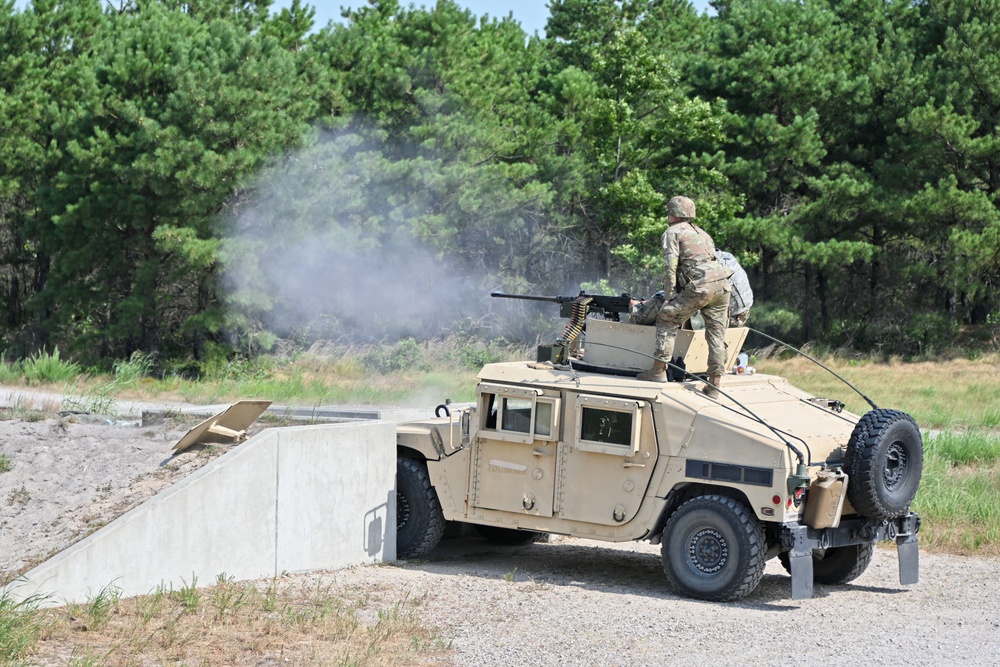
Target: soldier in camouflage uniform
[
  {"x": 694, "y": 280},
  {"x": 741, "y": 297}
]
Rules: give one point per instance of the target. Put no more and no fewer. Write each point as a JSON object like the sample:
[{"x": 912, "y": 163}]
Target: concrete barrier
[{"x": 287, "y": 500}]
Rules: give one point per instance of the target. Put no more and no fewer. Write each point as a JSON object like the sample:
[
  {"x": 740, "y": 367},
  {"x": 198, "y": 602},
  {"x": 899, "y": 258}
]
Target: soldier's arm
[{"x": 671, "y": 253}]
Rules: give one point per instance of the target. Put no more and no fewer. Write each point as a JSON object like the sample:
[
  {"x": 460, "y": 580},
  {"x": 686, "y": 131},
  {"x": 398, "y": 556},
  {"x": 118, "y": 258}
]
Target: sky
[{"x": 531, "y": 14}]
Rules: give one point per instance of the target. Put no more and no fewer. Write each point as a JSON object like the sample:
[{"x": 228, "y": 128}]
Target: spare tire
[{"x": 884, "y": 461}]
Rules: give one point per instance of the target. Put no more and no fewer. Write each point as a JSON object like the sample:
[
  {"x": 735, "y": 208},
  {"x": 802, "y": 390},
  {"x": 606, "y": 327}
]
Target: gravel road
[{"x": 577, "y": 603}]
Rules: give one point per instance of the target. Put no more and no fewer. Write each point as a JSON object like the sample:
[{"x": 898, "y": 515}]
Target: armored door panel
[
  {"x": 605, "y": 465},
  {"x": 513, "y": 466},
  {"x": 514, "y": 477}
]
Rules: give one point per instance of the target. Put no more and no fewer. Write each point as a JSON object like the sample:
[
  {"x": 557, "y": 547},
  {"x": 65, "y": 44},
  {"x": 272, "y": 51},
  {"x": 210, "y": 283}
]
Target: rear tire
[
  {"x": 508, "y": 536},
  {"x": 713, "y": 548},
  {"x": 837, "y": 565},
  {"x": 419, "y": 519},
  {"x": 884, "y": 461}
]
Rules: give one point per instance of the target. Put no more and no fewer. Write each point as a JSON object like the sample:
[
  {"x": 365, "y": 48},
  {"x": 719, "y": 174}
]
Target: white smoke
[{"x": 325, "y": 249}]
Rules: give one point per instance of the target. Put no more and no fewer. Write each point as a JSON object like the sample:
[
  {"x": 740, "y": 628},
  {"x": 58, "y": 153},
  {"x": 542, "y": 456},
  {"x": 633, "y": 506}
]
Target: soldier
[
  {"x": 694, "y": 280},
  {"x": 741, "y": 296}
]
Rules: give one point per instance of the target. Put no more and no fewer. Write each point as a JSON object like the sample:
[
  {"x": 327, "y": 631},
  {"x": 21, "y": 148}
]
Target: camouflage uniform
[
  {"x": 645, "y": 312},
  {"x": 701, "y": 283},
  {"x": 741, "y": 297}
]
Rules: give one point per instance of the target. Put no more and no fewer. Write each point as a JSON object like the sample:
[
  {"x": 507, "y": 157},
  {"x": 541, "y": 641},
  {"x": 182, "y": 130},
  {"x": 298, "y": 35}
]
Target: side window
[
  {"x": 489, "y": 411},
  {"x": 518, "y": 414},
  {"x": 543, "y": 418},
  {"x": 608, "y": 425}
]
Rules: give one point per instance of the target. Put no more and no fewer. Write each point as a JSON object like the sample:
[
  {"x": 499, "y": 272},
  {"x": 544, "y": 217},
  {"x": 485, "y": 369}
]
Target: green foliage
[
  {"x": 5, "y": 464},
  {"x": 402, "y": 356},
  {"x": 20, "y": 626},
  {"x": 475, "y": 354},
  {"x": 188, "y": 595},
  {"x": 779, "y": 322},
  {"x": 930, "y": 332},
  {"x": 179, "y": 177},
  {"x": 977, "y": 446},
  {"x": 43, "y": 367},
  {"x": 10, "y": 371},
  {"x": 137, "y": 367}
]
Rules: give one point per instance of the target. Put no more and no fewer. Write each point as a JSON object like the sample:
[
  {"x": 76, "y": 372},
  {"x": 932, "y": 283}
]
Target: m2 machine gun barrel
[{"x": 608, "y": 306}]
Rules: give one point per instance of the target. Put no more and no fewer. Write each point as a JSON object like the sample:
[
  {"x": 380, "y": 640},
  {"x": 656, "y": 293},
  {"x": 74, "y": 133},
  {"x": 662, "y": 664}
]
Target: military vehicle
[{"x": 571, "y": 443}]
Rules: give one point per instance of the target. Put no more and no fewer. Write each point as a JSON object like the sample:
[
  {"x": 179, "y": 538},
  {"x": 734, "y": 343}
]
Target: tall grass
[
  {"x": 20, "y": 626},
  {"x": 958, "y": 500},
  {"x": 10, "y": 371},
  {"x": 43, "y": 368},
  {"x": 137, "y": 367}
]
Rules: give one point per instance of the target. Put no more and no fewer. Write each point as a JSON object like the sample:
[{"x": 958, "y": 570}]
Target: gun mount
[{"x": 615, "y": 347}]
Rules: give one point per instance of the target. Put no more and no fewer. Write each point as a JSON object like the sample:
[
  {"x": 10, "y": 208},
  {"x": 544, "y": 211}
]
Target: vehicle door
[
  {"x": 514, "y": 452},
  {"x": 606, "y": 459}
]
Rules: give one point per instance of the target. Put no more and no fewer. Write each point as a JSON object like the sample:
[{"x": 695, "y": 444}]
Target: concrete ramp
[{"x": 287, "y": 500}]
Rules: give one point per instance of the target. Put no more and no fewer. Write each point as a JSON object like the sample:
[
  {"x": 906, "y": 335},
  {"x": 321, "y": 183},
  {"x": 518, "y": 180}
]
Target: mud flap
[
  {"x": 909, "y": 559},
  {"x": 801, "y": 567}
]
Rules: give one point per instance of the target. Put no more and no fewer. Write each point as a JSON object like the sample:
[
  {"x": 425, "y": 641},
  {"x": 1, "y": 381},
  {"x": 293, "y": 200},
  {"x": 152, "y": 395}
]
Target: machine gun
[
  {"x": 607, "y": 306},
  {"x": 576, "y": 308}
]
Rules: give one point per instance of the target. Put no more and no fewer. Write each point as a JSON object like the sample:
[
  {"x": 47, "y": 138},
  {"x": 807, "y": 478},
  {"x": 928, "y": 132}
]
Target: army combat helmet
[{"x": 680, "y": 207}]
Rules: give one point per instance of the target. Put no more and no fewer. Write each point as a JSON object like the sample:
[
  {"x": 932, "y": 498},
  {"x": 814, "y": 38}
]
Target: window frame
[
  {"x": 627, "y": 406},
  {"x": 536, "y": 396}
]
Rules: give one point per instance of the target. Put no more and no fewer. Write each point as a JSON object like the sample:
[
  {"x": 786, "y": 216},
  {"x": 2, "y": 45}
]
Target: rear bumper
[{"x": 799, "y": 540}]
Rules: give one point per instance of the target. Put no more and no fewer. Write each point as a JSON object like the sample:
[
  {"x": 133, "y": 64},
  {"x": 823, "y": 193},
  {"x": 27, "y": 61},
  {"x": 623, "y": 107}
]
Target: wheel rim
[
  {"x": 894, "y": 472},
  {"x": 402, "y": 511},
  {"x": 707, "y": 551}
]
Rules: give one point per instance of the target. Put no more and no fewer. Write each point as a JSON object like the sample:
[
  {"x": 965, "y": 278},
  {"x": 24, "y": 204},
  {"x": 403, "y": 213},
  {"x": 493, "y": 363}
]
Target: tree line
[{"x": 847, "y": 151}]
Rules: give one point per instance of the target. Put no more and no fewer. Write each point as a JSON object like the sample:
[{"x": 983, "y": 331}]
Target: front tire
[
  {"x": 713, "y": 548},
  {"x": 419, "y": 519}
]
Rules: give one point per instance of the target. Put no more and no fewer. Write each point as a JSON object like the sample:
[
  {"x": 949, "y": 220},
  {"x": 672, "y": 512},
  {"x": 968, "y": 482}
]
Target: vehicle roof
[{"x": 546, "y": 375}]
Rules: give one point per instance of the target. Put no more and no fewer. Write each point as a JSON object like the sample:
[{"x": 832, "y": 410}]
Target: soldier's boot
[
  {"x": 658, "y": 373},
  {"x": 712, "y": 388}
]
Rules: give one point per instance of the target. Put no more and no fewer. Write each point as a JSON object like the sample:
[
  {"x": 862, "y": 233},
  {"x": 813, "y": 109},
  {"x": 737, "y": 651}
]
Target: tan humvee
[{"x": 583, "y": 448}]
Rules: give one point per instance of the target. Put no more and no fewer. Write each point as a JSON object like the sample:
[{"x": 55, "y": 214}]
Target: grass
[
  {"x": 957, "y": 500},
  {"x": 407, "y": 373},
  {"x": 20, "y": 627},
  {"x": 44, "y": 368},
  {"x": 229, "y": 623},
  {"x": 5, "y": 463},
  {"x": 953, "y": 394}
]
